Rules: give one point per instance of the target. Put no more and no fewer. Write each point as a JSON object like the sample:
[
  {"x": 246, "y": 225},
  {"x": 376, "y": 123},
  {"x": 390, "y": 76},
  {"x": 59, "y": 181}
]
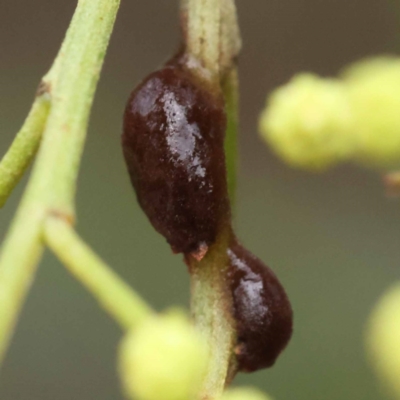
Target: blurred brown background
[{"x": 333, "y": 239}]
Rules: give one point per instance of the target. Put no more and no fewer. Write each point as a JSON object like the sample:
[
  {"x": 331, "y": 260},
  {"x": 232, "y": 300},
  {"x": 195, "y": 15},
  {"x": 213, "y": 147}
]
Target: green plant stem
[
  {"x": 212, "y": 38},
  {"x": 115, "y": 296},
  {"x": 203, "y": 33},
  {"x": 230, "y": 41},
  {"x": 51, "y": 188},
  {"x": 211, "y": 305},
  {"x": 24, "y": 147}
]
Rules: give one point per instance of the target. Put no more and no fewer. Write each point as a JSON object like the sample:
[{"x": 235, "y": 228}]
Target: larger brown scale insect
[{"x": 172, "y": 140}]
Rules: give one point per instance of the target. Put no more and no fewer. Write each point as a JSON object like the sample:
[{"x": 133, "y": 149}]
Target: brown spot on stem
[
  {"x": 200, "y": 252},
  {"x": 43, "y": 88},
  {"x": 58, "y": 214}
]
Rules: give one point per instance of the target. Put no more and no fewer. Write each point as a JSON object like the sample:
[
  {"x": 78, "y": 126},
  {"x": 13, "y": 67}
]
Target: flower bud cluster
[{"x": 314, "y": 123}]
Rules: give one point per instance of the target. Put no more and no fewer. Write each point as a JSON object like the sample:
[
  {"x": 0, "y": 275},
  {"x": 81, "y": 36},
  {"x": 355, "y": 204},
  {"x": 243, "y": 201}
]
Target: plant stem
[
  {"x": 51, "y": 188},
  {"x": 212, "y": 38},
  {"x": 72, "y": 99},
  {"x": 116, "y": 297},
  {"x": 230, "y": 41},
  {"x": 24, "y": 147},
  {"x": 211, "y": 304},
  {"x": 203, "y": 33}
]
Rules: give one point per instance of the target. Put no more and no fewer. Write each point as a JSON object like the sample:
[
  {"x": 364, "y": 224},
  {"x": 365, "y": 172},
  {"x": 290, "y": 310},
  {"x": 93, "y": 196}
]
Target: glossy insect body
[
  {"x": 261, "y": 309},
  {"x": 173, "y": 137}
]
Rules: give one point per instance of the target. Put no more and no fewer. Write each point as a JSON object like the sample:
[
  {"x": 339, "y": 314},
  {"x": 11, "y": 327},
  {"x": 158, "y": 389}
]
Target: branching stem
[{"x": 51, "y": 189}]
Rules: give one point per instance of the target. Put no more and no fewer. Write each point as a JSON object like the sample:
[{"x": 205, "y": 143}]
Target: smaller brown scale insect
[
  {"x": 173, "y": 143},
  {"x": 261, "y": 310}
]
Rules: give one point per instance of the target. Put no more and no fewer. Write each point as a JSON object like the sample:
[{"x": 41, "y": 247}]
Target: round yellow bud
[
  {"x": 383, "y": 339},
  {"x": 164, "y": 358},
  {"x": 307, "y": 122},
  {"x": 244, "y": 393},
  {"x": 374, "y": 95}
]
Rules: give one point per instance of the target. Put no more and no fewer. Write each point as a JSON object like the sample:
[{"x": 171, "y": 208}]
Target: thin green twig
[
  {"x": 115, "y": 296},
  {"x": 24, "y": 147},
  {"x": 51, "y": 188}
]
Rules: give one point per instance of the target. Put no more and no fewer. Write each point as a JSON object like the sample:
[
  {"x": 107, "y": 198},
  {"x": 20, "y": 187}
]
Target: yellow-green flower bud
[
  {"x": 307, "y": 122},
  {"x": 244, "y": 393},
  {"x": 374, "y": 95},
  {"x": 164, "y": 358},
  {"x": 383, "y": 339}
]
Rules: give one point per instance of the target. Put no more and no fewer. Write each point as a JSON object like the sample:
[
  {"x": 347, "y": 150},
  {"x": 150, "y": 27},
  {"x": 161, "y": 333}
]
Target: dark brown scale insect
[
  {"x": 261, "y": 309},
  {"x": 173, "y": 143}
]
